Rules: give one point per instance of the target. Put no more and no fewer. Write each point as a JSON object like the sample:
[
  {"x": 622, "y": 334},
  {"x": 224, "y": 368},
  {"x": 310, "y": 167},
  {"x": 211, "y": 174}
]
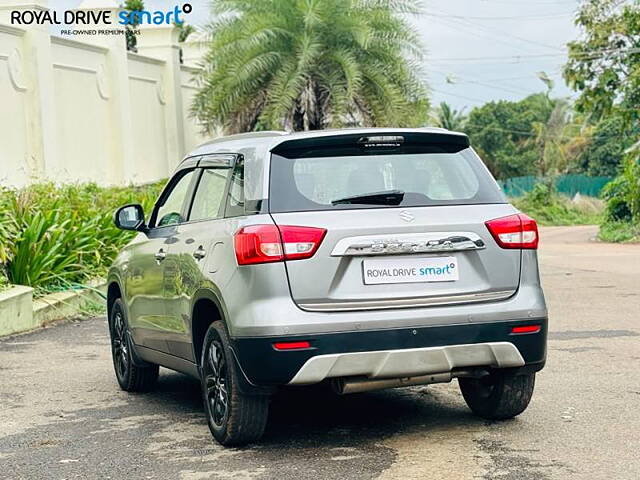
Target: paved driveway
[{"x": 62, "y": 415}]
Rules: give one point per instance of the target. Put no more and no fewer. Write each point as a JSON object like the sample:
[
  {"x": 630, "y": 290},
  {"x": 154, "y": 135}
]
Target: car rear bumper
[
  {"x": 392, "y": 353},
  {"x": 409, "y": 362}
]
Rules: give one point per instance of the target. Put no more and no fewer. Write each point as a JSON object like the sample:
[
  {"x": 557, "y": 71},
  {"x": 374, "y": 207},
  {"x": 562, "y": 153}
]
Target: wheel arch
[
  {"x": 113, "y": 293},
  {"x": 206, "y": 308}
]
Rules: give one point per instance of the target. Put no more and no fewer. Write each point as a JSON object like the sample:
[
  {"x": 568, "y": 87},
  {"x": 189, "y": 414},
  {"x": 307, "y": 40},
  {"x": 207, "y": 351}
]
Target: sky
[
  {"x": 476, "y": 50},
  {"x": 482, "y": 50}
]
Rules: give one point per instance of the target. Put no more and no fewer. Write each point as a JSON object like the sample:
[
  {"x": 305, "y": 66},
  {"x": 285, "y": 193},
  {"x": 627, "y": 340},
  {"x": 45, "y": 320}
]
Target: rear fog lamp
[{"x": 525, "y": 329}]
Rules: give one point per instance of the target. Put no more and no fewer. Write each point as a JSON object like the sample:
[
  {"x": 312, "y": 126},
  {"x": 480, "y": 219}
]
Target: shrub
[
  {"x": 622, "y": 197},
  {"x": 4, "y": 281},
  {"x": 614, "y": 194},
  {"x": 623, "y": 194},
  {"x": 619, "y": 232},
  {"x": 56, "y": 236},
  {"x": 549, "y": 208}
]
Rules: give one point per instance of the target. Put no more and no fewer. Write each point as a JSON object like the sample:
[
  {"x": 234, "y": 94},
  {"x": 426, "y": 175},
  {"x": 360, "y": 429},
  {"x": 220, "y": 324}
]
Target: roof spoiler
[{"x": 392, "y": 142}]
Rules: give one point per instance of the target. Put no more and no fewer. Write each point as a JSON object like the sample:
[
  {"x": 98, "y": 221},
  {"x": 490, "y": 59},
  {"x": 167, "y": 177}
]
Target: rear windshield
[{"x": 379, "y": 181}]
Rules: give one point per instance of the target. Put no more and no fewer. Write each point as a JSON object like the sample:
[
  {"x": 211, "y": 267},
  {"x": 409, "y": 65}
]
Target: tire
[
  {"x": 499, "y": 395},
  {"x": 234, "y": 418},
  {"x": 131, "y": 378}
]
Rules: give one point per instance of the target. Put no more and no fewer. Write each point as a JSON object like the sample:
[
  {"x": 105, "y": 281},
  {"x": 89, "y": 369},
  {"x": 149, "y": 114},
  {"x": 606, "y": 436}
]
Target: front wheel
[
  {"x": 234, "y": 418},
  {"x": 498, "y": 396}
]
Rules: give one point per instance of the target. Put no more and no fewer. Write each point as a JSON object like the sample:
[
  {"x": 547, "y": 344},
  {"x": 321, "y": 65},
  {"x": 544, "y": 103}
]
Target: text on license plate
[{"x": 410, "y": 270}]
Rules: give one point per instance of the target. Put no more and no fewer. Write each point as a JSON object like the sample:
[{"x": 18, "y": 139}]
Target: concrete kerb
[{"x": 20, "y": 313}]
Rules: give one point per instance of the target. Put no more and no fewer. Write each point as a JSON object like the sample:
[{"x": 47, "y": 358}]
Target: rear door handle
[
  {"x": 160, "y": 255},
  {"x": 199, "y": 253}
]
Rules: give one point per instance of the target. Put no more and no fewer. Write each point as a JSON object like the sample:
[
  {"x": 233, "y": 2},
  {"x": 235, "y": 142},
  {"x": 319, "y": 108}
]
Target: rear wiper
[{"x": 388, "y": 197}]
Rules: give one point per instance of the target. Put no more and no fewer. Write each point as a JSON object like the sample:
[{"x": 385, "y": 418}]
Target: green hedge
[{"x": 52, "y": 237}]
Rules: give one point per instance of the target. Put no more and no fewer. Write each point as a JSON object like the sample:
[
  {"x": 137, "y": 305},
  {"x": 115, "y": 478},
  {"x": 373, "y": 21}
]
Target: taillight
[
  {"x": 258, "y": 244},
  {"x": 271, "y": 243},
  {"x": 514, "y": 231},
  {"x": 300, "y": 242}
]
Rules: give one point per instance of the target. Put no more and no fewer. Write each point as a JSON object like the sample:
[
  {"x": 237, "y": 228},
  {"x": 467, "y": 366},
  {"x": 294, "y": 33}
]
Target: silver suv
[{"x": 365, "y": 258}]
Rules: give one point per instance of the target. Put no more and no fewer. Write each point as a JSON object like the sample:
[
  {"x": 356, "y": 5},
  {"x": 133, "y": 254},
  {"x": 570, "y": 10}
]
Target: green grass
[
  {"x": 550, "y": 208},
  {"x": 56, "y": 237},
  {"x": 619, "y": 232},
  {"x": 92, "y": 308}
]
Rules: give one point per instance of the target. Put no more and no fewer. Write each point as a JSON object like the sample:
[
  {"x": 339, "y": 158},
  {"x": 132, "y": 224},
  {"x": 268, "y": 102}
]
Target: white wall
[
  {"x": 83, "y": 126},
  {"x": 15, "y": 163},
  {"x": 91, "y": 111},
  {"x": 192, "y": 132},
  {"x": 148, "y": 104}
]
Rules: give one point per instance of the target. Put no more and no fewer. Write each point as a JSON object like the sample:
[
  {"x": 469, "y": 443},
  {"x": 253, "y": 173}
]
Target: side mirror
[{"x": 130, "y": 217}]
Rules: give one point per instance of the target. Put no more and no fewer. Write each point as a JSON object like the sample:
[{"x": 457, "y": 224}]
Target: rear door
[
  {"x": 405, "y": 225},
  {"x": 194, "y": 250}
]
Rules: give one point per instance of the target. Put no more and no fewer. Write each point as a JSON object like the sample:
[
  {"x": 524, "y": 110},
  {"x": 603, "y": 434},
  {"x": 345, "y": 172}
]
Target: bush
[
  {"x": 623, "y": 193},
  {"x": 619, "y": 232},
  {"x": 547, "y": 207},
  {"x": 56, "y": 236},
  {"x": 614, "y": 194},
  {"x": 622, "y": 197}
]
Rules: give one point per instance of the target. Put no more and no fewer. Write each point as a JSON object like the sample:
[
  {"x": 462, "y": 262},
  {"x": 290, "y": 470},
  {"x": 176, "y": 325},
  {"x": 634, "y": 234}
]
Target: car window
[
  {"x": 420, "y": 179},
  {"x": 209, "y": 194},
  {"x": 235, "y": 199},
  {"x": 171, "y": 211}
]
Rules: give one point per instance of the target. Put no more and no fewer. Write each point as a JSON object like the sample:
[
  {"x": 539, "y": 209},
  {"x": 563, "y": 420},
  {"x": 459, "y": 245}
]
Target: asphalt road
[{"x": 62, "y": 415}]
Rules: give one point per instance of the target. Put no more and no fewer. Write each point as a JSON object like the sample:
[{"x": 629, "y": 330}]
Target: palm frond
[{"x": 310, "y": 64}]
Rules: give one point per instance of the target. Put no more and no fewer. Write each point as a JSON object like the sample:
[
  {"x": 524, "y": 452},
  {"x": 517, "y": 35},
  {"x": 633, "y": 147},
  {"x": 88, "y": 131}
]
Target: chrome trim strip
[
  {"x": 408, "y": 362},
  {"x": 408, "y": 243},
  {"x": 349, "y": 305}
]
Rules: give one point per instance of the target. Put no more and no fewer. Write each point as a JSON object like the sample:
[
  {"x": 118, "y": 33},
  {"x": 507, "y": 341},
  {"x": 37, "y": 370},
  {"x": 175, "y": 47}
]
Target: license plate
[{"x": 409, "y": 270}]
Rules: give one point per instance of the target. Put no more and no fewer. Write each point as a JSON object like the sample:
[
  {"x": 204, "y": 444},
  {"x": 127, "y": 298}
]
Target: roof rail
[{"x": 238, "y": 136}]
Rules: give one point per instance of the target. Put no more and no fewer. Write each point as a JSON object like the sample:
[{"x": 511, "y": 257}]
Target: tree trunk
[
  {"x": 298, "y": 119},
  {"x": 318, "y": 117}
]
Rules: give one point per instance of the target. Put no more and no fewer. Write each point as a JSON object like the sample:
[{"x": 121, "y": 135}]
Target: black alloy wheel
[
  {"x": 234, "y": 417},
  {"x": 216, "y": 381},
  {"x": 131, "y": 377},
  {"x": 119, "y": 348}
]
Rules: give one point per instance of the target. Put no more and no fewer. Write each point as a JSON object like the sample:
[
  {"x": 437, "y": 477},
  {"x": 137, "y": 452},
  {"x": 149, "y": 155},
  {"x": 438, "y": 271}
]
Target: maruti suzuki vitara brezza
[{"x": 361, "y": 258}]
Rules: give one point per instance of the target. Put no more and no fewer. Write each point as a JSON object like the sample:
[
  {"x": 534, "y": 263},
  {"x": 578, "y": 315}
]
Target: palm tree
[
  {"x": 130, "y": 37},
  {"x": 560, "y": 139},
  {"x": 310, "y": 64},
  {"x": 449, "y": 118}
]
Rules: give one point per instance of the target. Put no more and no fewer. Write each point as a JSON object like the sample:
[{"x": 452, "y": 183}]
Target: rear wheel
[
  {"x": 234, "y": 418},
  {"x": 130, "y": 377},
  {"x": 498, "y": 396}
]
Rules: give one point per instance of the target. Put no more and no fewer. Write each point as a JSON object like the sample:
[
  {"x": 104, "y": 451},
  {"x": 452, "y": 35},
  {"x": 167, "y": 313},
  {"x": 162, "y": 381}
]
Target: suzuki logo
[{"x": 406, "y": 216}]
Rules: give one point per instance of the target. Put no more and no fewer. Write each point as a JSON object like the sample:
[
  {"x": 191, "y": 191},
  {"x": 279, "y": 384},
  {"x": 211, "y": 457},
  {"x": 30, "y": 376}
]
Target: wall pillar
[
  {"x": 194, "y": 49},
  {"x": 40, "y": 93},
  {"x": 162, "y": 42}
]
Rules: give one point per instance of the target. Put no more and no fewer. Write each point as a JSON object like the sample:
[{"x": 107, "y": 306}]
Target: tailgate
[
  {"x": 372, "y": 259},
  {"x": 405, "y": 217}
]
